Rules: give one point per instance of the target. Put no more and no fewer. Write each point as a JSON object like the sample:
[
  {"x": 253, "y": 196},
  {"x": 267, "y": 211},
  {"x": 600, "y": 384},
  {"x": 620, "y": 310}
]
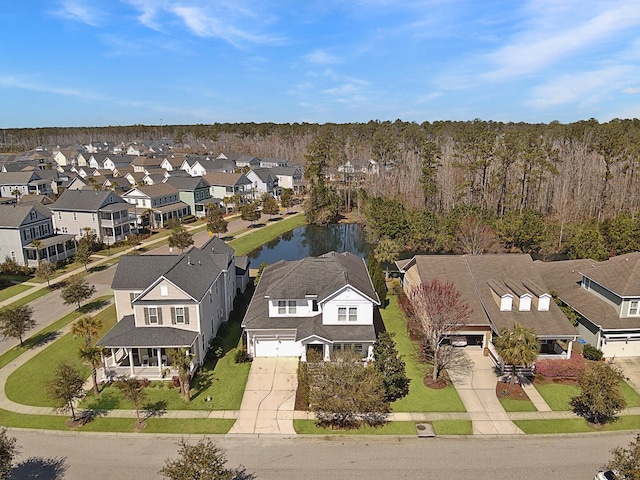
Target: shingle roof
[
  {"x": 565, "y": 277},
  {"x": 157, "y": 190},
  {"x": 14, "y": 215},
  {"x": 137, "y": 272},
  {"x": 85, "y": 200},
  {"x": 226, "y": 179},
  {"x": 186, "y": 183},
  {"x": 17, "y": 178},
  {"x": 619, "y": 274},
  {"x": 125, "y": 334},
  {"x": 476, "y": 275}
]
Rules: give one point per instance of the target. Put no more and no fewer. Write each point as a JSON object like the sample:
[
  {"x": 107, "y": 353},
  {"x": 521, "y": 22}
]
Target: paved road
[
  {"x": 141, "y": 456},
  {"x": 49, "y": 308}
]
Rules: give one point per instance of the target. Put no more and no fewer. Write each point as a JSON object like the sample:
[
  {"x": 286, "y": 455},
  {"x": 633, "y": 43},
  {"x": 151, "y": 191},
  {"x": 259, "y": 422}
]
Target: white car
[{"x": 607, "y": 475}]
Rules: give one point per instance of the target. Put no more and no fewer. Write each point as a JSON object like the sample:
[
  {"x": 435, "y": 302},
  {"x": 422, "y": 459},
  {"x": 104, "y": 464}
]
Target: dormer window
[
  {"x": 634, "y": 311},
  {"x": 524, "y": 305}
]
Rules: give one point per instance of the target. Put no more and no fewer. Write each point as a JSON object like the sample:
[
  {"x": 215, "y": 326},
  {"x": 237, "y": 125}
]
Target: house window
[
  {"x": 153, "y": 315},
  {"x": 59, "y": 215},
  {"x": 164, "y": 290},
  {"x": 314, "y": 305},
  {"x": 633, "y": 308},
  {"x": 75, "y": 216},
  {"x": 282, "y": 307},
  {"x": 353, "y": 314},
  {"x": 342, "y": 314},
  {"x": 292, "y": 306},
  {"x": 179, "y": 314},
  {"x": 13, "y": 256},
  {"x": 64, "y": 230}
]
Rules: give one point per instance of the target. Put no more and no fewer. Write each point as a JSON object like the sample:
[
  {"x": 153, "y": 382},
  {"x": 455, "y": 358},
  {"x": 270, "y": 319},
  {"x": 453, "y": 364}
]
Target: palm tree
[
  {"x": 86, "y": 327},
  {"x": 92, "y": 356},
  {"x": 38, "y": 245},
  {"x": 517, "y": 347},
  {"x": 181, "y": 360}
]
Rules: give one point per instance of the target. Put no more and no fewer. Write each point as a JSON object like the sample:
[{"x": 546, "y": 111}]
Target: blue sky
[{"x": 121, "y": 62}]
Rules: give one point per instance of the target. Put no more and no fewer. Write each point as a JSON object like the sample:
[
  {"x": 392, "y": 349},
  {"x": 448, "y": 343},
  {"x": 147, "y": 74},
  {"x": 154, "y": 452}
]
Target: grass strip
[
  {"x": 576, "y": 425},
  {"x": 41, "y": 292},
  {"x": 512, "y": 405},
  {"x": 420, "y": 398},
  {"x": 452, "y": 427},
  {"x": 558, "y": 395},
  {"x": 43, "y": 334},
  {"x": 256, "y": 238},
  {"x": 105, "y": 424},
  {"x": 13, "y": 290}
]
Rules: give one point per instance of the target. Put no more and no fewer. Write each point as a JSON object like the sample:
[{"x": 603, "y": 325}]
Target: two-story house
[
  {"x": 289, "y": 177},
  {"x": 500, "y": 290},
  {"x": 168, "y": 301},
  {"x": 263, "y": 181},
  {"x": 102, "y": 212},
  {"x": 228, "y": 185},
  {"x": 325, "y": 304},
  {"x": 194, "y": 191},
  {"x": 606, "y": 297},
  {"x": 29, "y": 182},
  {"x": 156, "y": 204},
  {"x": 22, "y": 224}
]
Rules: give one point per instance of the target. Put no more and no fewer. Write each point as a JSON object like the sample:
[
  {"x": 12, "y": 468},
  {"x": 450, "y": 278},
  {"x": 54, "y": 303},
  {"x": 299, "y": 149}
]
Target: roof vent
[{"x": 188, "y": 260}]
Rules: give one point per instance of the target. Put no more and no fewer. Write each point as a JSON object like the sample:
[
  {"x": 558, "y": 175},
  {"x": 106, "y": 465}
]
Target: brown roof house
[
  {"x": 501, "y": 289},
  {"x": 606, "y": 296}
]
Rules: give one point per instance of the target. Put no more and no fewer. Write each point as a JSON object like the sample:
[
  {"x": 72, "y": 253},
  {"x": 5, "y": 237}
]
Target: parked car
[{"x": 606, "y": 475}]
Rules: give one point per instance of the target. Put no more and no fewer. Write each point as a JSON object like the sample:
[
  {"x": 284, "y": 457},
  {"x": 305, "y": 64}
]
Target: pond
[{"x": 312, "y": 241}]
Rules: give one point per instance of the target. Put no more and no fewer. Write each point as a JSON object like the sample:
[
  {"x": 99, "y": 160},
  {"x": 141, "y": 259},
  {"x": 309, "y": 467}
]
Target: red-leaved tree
[{"x": 438, "y": 310}]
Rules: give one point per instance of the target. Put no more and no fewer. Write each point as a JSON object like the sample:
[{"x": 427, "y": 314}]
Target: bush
[
  {"x": 189, "y": 219},
  {"x": 591, "y": 353},
  {"x": 241, "y": 356},
  {"x": 571, "y": 368},
  {"x": 223, "y": 330},
  {"x": 215, "y": 343}
]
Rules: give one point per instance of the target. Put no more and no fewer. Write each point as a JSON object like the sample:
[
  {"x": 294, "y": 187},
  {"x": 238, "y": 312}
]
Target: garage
[
  {"x": 280, "y": 347},
  {"x": 621, "y": 347}
]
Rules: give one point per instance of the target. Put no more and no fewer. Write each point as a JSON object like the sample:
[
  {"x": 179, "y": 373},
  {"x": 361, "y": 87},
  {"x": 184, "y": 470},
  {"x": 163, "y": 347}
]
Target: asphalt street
[{"x": 141, "y": 456}]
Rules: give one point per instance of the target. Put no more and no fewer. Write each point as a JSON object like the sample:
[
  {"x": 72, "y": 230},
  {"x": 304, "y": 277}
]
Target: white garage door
[
  {"x": 621, "y": 348},
  {"x": 277, "y": 348}
]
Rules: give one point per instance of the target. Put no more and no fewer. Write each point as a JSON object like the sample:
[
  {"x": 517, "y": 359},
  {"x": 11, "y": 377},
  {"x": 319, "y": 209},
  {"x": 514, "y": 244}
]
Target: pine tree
[
  {"x": 378, "y": 279},
  {"x": 391, "y": 366}
]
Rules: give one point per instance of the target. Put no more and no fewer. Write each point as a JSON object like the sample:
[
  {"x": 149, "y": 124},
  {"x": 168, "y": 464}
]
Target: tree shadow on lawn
[
  {"x": 43, "y": 468},
  {"x": 98, "y": 268},
  {"x": 155, "y": 409},
  {"x": 107, "y": 400},
  {"x": 227, "y": 238},
  {"x": 202, "y": 383},
  {"x": 276, "y": 219},
  {"x": 40, "y": 339}
]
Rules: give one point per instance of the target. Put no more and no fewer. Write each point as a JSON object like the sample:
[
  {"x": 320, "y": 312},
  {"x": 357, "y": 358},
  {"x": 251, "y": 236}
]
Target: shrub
[
  {"x": 189, "y": 219},
  {"x": 215, "y": 343},
  {"x": 241, "y": 356},
  {"x": 591, "y": 353},
  {"x": 571, "y": 368},
  {"x": 223, "y": 330}
]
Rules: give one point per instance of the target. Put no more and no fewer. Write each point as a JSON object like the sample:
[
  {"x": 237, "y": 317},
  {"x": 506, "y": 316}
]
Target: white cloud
[
  {"x": 322, "y": 57},
  {"x": 79, "y": 11},
  {"x": 631, "y": 90},
  {"x": 583, "y": 87},
  {"x": 25, "y": 83},
  {"x": 552, "y": 37}
]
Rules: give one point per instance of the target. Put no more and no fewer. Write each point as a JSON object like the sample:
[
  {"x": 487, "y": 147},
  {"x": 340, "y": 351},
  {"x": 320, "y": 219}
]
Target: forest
[{"x": 475, "y": 186}]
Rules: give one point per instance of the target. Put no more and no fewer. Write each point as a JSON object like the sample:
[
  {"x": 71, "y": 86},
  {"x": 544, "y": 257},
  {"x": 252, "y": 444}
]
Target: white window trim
[
  {"x": 637, "y": 305},
  {"x": 155, "y": 315},
  {"x": 180, "y": 315},
  {"x": 164, "y": 291}
]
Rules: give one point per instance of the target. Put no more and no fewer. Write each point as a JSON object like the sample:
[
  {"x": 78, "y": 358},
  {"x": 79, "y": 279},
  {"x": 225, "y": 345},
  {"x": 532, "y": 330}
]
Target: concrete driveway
[
  {"x": 269, "y": 398},
  {"x": 476, "y": 386},
  {"x": 631, "y": 368}
]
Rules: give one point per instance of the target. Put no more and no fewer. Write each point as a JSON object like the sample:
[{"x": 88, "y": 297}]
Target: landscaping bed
[{"x": 513, "y": 397}]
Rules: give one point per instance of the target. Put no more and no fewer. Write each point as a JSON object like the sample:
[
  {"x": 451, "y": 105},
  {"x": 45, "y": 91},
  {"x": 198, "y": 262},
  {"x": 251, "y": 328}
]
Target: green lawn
[
  {"x": 576, "y": 425},
  {"x": 558, "y": 396},
  {"x": 43, "y": 334},
  {"x": 28, "y": 384},
  {"x": 247, "y": 243},
  {"x": 154, "y": 425},
  {"x": 513, "y": 405},
  {"x": 440, "y": 427},
  {"x": 31, "y": 297},
  {"x": 221, "y": 379},
  {"x": 420, "y": 398},
  {"x": 7, "y": 293}
]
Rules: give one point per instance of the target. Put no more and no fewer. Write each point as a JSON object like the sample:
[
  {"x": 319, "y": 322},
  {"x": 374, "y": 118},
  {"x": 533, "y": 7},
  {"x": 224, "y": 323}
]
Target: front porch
[
  {"x": 151, "y": 363},
  {"x": 52, "y": 249}
]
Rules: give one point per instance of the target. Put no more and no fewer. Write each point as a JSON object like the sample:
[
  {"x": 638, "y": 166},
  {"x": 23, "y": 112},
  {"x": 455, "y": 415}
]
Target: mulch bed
[
  {"x": 300, "y": 405},
  {"x": 514, "y": 392},
  {"x": 435, "y": 385}
]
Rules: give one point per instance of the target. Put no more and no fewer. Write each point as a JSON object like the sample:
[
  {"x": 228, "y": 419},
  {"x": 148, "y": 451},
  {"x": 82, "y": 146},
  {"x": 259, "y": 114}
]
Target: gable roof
[
  {"x": 620, "y": 274},
  {"x": 262, "y": 173},
  {"x": 157, "y": 189},
  {"x": 186, "y": 182},
  {"x": 193, "y": 272},
  {"x": 321, "y": 276},
  {"x": 477, "y": 276},
  {"x": 15, "y": 215},
  {"x": 18, "y": 178},
  {"x": 226, "y": 179},
  {"x": 85, "y": 200}
]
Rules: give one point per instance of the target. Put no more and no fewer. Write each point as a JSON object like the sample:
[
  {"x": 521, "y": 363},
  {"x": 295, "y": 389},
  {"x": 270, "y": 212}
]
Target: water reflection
[{"x": 312, "y": 241}]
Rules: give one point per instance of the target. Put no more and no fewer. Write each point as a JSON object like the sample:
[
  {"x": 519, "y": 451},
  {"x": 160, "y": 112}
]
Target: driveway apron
[
  {"x": 631, "y": 368},
  {"x": 477, "y": 389},
  {"x": 269, "y": 398}
]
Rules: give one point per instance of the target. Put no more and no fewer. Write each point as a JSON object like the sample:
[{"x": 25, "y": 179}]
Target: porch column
[
  {"x": 158, "y": 350},
  {"x": 326, "y": 350},
  {"x": 303, "y": 357},
  {"x": 130, "y": 354},
  {"x": 113, "y": 358},
  {"x": 370, "y": 353},
  {"x": 569, "y": 349}
]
